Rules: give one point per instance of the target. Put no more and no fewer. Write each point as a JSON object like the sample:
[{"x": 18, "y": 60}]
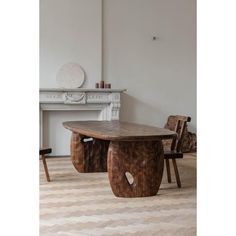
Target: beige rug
[{"x": 75, "y": 204}]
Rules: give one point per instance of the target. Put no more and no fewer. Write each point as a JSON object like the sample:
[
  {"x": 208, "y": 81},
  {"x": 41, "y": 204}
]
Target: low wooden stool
[{"x": 42, "y": 153}]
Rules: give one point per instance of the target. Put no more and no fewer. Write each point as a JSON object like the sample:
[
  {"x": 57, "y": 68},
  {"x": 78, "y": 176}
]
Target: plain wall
[
  {"x": 70, "y": 31},
  {"x": 160, "y": 75}
]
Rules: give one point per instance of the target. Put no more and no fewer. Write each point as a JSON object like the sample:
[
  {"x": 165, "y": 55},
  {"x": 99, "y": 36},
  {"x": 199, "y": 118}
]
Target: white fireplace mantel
[{"x": 106, "y": 101}]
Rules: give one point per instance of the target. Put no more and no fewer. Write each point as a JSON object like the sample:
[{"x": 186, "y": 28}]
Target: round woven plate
[{"x": 70, "y": 75}]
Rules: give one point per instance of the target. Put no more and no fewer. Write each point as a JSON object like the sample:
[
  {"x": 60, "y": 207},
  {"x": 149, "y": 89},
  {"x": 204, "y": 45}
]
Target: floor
[{"x": 75, "y": 204}]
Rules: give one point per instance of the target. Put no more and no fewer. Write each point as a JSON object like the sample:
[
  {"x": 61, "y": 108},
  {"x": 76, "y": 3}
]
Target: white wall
[
  {"x": 70, "y": 31},
  {"x": 160, "y": 75}
]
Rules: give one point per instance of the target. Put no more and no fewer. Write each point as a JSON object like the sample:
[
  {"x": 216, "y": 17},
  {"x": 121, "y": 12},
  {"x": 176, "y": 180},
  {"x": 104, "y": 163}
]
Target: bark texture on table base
[
  {"x": 143, "y": 160},
  {"x": 88, "y": 156}
]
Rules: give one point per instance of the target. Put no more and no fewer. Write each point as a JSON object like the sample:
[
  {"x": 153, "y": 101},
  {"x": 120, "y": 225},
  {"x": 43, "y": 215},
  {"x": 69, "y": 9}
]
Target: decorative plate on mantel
[{"x": 70, "y": 75}]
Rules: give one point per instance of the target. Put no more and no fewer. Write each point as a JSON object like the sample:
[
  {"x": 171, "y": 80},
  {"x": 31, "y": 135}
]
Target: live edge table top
[{"x": 118, "y": 130}]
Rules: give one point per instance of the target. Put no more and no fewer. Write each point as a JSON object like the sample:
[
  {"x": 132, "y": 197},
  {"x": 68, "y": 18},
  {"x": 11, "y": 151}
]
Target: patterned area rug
[{"x": 75, "y": 204}]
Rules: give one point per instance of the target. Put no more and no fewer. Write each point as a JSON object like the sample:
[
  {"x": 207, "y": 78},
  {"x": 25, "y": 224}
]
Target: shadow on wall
[{"x": 135, "y": 110}]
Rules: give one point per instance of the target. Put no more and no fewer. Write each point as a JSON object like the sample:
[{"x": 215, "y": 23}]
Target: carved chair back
[{"x": 178, "y": 124}]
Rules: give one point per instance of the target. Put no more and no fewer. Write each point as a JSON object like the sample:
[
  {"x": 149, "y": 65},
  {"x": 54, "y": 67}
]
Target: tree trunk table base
[
  {"x": 131, "y": 153},
  {"x": 143, "y": 161},
  {"x": 88, "y": 156}
]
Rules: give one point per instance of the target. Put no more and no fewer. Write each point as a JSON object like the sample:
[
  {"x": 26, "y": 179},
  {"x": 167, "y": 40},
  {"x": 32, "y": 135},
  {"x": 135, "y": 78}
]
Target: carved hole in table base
[{"x": 129, "y": 178}]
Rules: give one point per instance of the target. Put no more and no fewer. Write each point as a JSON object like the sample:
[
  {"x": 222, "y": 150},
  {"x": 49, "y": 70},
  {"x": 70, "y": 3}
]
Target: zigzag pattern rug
[{"x": 79, "y": 204}]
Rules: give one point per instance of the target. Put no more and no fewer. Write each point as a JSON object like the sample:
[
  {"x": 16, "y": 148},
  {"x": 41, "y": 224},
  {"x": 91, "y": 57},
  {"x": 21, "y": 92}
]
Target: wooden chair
[
  {"x": 42, "y": 153},
  {"x": 178, "y": 124}
]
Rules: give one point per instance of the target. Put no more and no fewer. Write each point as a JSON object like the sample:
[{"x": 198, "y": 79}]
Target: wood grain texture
[
  {"x": 134, "y": 149},
  {"x": 180, "y": 124},
  {"x": 189, "y": 139},
  {"x": 117, "y": 130},
  {"x": 88, "y": 156},
  {"x": 143, "y": 160}
]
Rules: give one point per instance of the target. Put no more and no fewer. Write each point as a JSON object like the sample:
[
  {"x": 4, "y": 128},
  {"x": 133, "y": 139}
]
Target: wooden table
[{"x": 122, "y": 149}]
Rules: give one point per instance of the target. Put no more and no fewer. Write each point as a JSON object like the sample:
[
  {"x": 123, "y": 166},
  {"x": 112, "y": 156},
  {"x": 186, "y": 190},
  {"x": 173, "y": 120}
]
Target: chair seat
[
  {"x": 172, "y": 154},
  {"x": 44, "y": 151}
]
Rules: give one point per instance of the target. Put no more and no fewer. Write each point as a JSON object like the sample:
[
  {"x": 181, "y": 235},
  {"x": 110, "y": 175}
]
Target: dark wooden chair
[
  {"x": 42, "y": 153},
  {"x": 172, "y": 149}
]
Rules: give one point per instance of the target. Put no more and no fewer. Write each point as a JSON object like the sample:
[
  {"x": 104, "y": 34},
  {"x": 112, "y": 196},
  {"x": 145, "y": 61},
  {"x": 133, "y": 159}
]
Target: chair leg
[
  {"x": 176, "y": 173},
  {"x": 45, "y": 168},
  {"x": 168, "y": 170}
]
